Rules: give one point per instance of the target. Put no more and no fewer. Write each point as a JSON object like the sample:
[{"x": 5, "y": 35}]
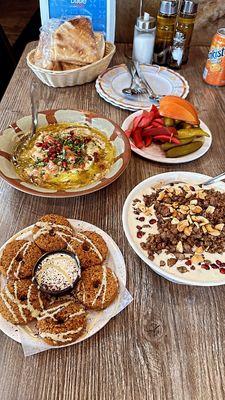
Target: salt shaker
[{"x": 144, "y": 39}]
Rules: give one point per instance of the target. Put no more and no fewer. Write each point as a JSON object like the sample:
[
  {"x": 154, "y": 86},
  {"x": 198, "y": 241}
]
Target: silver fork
[{"x": 135, "y": 86}]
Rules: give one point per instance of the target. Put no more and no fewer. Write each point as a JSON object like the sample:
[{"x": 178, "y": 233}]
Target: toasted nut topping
[
  {"x": 182, "y": 225},
  {"x": 194, "y": 202},
  {"x": 175, "y": 221},
  {"x": 199, "y": 250},
  {"x": 200, "y": 219},
  {"x": 146, "y": 210},
  {"x": 175, "y": 204},
  {"x": 212, "y": 231},
  {"x": 189, "y": 194},
  {"x": 197, "y": 258},
  {"x": 184, "y": 209},
  {"x": 196, "y": 209},
  {"x": 161, "y": 195},
  {"x": 178, "y": 191},
  {"x": 219, "y": 227},
  {"x": 189, "y": 219},
  {"x": 179, "y": 247},
  {"x": 204, "y": 229},
  {"x": 188, "y": 230},
  {"x": 201, "y": 195},
  {"x": 186, "y": 188},
  {"x": 210, "y": 209}
]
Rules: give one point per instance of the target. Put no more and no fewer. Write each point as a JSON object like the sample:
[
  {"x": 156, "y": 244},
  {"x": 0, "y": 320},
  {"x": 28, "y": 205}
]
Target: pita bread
[
  {"x": 67, "y": 66},
  {"x": 74, "y": 42},
  {"x": 100, "y": 42}
]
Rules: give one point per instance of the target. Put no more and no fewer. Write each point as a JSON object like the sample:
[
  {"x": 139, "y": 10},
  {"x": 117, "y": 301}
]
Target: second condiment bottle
[
  {"x": 166, "y": 20},
  {"x": 185, "y": 24}
]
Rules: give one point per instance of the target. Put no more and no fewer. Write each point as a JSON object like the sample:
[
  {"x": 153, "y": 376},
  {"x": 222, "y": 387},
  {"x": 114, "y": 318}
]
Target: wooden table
[{"x": 169, "y": 343}]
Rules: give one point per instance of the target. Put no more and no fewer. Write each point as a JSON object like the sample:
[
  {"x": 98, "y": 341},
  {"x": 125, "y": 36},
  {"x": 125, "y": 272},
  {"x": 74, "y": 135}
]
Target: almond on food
[
  {"x": 182, "y": 225},
  {"x": 200, "y": 219},
  {"x": 179, "y": 247},
  {"x": 210, "y": 209},
  {"x": 188, "y": 230}
]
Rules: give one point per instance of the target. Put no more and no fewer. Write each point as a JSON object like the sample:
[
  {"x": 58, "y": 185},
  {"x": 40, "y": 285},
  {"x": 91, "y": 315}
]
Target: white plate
[
  {"x": 116, "y": 262},
  {"x": 155, "y": 153},
  {"x": 168, "y": 177},
  {"x": 164, "y": 81}
]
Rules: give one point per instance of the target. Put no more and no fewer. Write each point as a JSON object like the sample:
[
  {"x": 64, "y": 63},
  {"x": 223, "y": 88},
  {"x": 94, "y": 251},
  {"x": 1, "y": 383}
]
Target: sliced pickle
[
  {"x": 187, "y": 133},
  {"x": 184, "y": 150},
  {"x": 167, "y": 146}
]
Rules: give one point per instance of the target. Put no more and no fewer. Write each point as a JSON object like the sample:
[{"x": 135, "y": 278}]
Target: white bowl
[
  {"x": 72, "y": 77},
  {"x": 165, "y": 178}
]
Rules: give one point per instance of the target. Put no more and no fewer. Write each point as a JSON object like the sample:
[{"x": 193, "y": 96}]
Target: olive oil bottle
[
  {"x": 166, "y": 20},
  {"x": 185, "y": 24}
]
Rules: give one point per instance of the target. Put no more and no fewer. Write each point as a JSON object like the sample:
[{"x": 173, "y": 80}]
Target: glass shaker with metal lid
[
  {"x": 166, "y": 20},
  {"x": 144, "y": 39},
  {"x": 185, "y": 24}
]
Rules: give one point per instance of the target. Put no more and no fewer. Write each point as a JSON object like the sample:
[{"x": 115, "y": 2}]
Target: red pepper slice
[
  {"x": 136, "y": 136},
  {"x": 165, "y": 138},
  {"x": 156, "y": 131},
  {"x": 146, "y": 120},
  {"x": 156, "y": 111},
  {"x": 172, "y": 130},
  {"x": 148, "y": 141},
  {"x": 156, "y": 124},
  {"x": 136, "y": 121}
]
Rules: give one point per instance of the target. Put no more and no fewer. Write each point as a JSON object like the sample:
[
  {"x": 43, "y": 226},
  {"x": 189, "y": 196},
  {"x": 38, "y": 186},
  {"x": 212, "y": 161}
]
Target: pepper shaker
[{"x": 144, "y": 39}]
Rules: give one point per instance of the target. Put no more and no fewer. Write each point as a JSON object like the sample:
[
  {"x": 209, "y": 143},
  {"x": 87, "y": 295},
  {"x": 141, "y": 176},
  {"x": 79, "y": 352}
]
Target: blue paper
[{"x": 95, "y": 9}]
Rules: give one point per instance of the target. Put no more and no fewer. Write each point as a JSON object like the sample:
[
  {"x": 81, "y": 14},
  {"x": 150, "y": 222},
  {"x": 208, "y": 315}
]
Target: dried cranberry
[
  {"x": 152, "y": 221},
  {"x": 140, "y": 234},
  {"x": 39, "y": 144},
  {"x": 46, "y": 159},
  {"x": 218, "y": 262},
  {"x": 142, "y": 219},
  {"x": 138, "y": 227},
  {"x": 64, "y": 164},
  {"x": 205, "y": 266},
  {"x": 188, "y": 262},
  {"x": 222, "y": 270},
  {"x": 214, "y": 266}
]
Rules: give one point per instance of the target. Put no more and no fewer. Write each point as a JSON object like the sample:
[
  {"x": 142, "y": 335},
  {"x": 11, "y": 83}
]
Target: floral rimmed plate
[
  {"x": 198, "y": 277},
  {"x": 96, "y": 319},
  {"x": 10, "y": 136},
  {"x": 164, "y": 81},
  {"x": 154, "y": 151}
]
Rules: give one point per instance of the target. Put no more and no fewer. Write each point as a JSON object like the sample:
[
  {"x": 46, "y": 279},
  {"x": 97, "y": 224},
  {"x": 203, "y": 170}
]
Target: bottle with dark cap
[
  {"x": 185, "y": 24},
  {"x": 166, "y": 20}
]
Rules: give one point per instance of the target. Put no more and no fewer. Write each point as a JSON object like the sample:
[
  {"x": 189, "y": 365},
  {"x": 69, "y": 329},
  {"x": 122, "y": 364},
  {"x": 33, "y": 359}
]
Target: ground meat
[{"x": 169, "y": 236}]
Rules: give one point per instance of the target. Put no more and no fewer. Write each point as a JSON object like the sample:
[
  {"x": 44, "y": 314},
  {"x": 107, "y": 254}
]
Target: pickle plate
[{"x": 154, "y": 151}]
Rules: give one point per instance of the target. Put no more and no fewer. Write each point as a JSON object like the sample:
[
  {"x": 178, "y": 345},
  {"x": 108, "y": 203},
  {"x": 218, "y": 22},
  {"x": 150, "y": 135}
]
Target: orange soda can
[{"x": 214, "y": 71}]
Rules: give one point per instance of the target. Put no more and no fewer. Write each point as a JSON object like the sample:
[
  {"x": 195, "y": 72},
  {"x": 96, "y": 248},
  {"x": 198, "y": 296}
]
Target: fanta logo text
[{"x": 214, "y": 54}]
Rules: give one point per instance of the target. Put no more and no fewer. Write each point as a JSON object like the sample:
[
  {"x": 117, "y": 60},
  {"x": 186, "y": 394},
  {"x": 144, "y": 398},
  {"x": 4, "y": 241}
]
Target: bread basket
[{"x": 72, "y": 77}]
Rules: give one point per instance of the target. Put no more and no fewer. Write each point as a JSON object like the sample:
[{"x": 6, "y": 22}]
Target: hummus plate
[{"x": 87, "y": 153}]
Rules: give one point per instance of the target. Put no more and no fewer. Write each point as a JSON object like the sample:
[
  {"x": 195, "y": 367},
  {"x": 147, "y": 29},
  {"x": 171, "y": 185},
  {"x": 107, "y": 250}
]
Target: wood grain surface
[{"x": 169, "y": 343}]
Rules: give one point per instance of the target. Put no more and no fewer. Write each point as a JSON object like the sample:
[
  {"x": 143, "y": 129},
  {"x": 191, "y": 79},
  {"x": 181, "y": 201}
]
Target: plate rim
[
  {"x": 97, "y": 229},
  {"x": 164, "y": 160},
  {"x": 126, "y": 155},
  {"x": 134, "y": 246},
  {"x": 123, "y": 105}
]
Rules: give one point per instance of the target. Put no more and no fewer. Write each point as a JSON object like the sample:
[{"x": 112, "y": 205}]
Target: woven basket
[{"x": 72, "y": 77}]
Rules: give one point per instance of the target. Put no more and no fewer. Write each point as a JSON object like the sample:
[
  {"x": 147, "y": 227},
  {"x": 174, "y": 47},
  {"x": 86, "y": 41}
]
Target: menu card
[{"x": 102, "y": 13}]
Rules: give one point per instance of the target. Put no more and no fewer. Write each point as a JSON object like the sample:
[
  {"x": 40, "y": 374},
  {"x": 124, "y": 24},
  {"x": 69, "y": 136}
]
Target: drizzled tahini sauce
[
  {"x": 199, "y": 274},
  {"x": 57, "y": 271}
]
